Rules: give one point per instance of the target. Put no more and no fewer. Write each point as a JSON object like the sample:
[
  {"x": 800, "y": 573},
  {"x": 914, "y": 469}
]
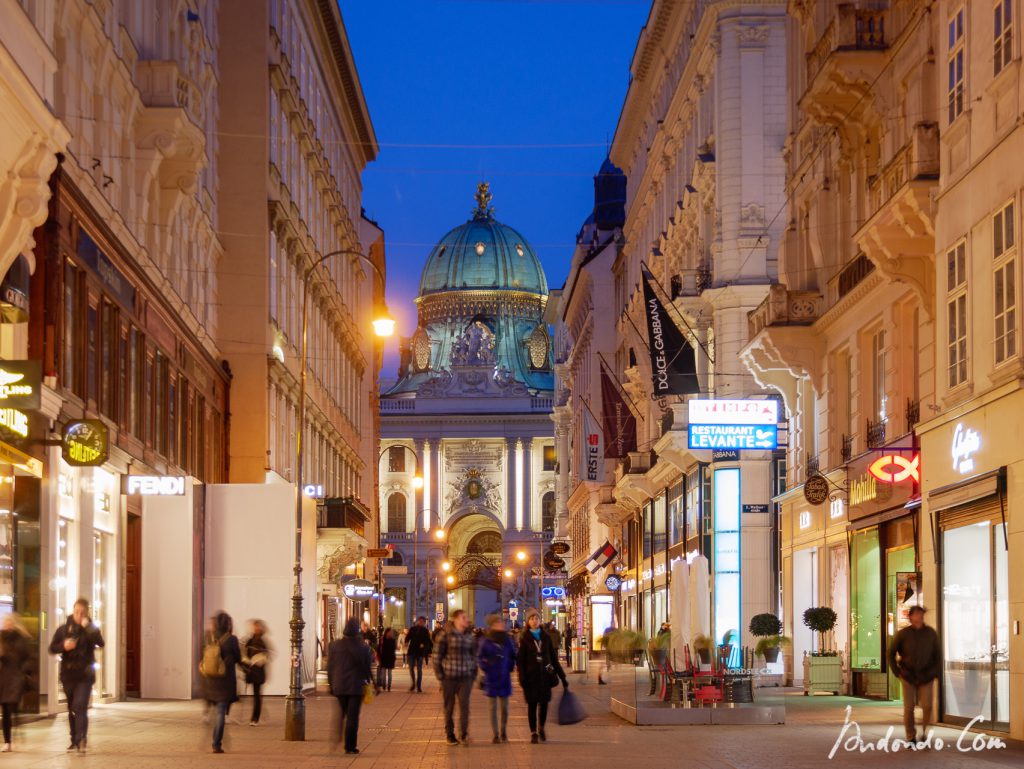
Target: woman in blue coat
[{"x": 497, "y": 658}]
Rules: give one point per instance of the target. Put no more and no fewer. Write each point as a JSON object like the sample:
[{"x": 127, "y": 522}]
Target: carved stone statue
[{"x": 475, "y": 347}]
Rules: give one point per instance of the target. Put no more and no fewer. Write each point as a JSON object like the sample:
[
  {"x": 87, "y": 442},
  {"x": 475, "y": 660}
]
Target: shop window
[
  {"x": 1002, "y": 46},
  {"x": 956, "y": 315},
  {"x": 955, "y": 65},
  {"x": 659, "y": 525},
  {"x": 398, "y": 519},
  {"x": 550, "y": 460},
  {"x": 676, "y": 516},
  {"x": 396, "y": 459},
  {"x": 547, "y": 512},
  {"x": 865, "y": 601}
]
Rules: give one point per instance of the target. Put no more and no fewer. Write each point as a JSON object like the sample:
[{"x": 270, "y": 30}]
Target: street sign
[
  {"x": 378, "y": 552},
  {"x": 513, "y": 613},
  {"x": 439, "y": 616}
]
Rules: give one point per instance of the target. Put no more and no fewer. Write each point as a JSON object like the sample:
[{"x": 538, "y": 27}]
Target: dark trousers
[
  {"x": 9, "y": 711},
  {"x": 384, "y": 678},
  {"x": 460, "y": 689},
  {"x": 257, "y": 702},
  {"x": 218, "y": 725},
  {"x": 350, "y": 705},
  {"x": 77, "y": 691},
  {"x": 536, "y": 714},
  {"x": 416, "y": 672}
]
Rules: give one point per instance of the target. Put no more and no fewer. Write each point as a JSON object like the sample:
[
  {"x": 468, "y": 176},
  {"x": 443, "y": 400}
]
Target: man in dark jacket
[
  {"x": 455, "y": 668},
  {"x": 916, "y": 659},
  {"x": 76, "y": 642},
  {"x": 222, "y": 689},
  {"x": 418, "y": 648},
  {"x": 348, "y": 671}
]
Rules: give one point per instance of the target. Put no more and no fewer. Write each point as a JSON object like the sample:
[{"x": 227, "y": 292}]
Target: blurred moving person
[
  {"x": 348, "y": 673},
  {"x": 76, "y": 642}
]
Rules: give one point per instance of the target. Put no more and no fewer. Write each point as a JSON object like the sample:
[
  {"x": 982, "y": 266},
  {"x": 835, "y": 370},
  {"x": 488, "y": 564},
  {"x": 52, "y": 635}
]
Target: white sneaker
[{"x": 6, "y": 748}]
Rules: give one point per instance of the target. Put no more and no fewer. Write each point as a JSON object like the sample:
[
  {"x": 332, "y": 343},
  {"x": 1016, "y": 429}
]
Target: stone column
[
  {"x": 434, "y": 500},
  {"x": 563, "y": 426},
  {"x": 420, "y": 495},
  {"x": 526, "y": 485},
  {"x": 510, "y": 483}
]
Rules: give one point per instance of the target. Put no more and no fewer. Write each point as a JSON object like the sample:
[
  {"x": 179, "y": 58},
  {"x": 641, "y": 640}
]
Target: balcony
[
  {"x": 343, "y": 513},
  {"x": 899, "y": 236},
  {"x": 844, "y": 63},
  {"x": 341, "y": 536},
  {"x": 785, "y": 308},
  {"x": 876, "y": 433}
]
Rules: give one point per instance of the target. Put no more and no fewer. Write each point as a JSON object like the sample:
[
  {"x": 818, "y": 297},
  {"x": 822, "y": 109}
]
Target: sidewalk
[{"x": 405, "y": 731}]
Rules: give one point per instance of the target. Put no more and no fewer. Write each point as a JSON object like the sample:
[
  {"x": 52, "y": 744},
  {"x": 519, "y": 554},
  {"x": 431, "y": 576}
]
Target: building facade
[
  {"x": 699, "y": 139},
  {"x": 470, "y": 418},
  {"x": 583, "y": 335},
  {"x": 296, "y": 136},
  {"x": 847, "y": 336}
]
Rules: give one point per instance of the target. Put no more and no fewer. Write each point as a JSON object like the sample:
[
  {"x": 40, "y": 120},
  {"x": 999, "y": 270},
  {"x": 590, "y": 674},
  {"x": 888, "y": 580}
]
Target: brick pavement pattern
[{"x": 406, "y": 731}]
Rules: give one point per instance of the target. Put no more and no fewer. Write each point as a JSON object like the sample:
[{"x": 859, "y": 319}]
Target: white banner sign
[{"x": 734, "y": 412}]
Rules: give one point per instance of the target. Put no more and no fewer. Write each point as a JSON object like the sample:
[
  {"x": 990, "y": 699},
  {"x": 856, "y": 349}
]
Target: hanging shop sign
[
  {"x": 737, "y": 437},
  {"x": 612, "y": 582},
  {"x": 85, "y": 443},
  {"x": 734, "y": 412},
  {"x": 896, "y": 468},
  {"x": 358, "y": 589},
  {"x": 552, "y": 591},
  {"x": 966, "y": 443},
  {"x": 559, "y": 548},
  {"x": 153, "y": 485},
  {"x": 20, "y": 381},
  {"x": 816, "y": 489},
  {"x": 553, "y": 562}
]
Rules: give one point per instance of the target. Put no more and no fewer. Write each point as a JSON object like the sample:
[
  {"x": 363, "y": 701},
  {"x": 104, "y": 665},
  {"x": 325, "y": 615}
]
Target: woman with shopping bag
[
  {"x": 349, "y": 675},
  {"x": 539, "y": 672}
]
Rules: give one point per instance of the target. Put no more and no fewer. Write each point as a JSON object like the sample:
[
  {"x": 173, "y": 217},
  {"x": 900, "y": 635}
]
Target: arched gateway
[{"x": 472, "y": 409}]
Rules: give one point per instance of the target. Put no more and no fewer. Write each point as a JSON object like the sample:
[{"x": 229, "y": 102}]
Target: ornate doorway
[{"x": 474, "y": 555}]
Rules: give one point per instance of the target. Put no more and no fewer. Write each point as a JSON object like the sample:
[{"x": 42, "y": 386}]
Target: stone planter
[{"x": 823, "y": 674}]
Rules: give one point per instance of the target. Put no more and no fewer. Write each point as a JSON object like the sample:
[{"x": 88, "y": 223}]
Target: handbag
[
  {"x": 368, "y": 694},
  {"x": 570, "y": 709}
]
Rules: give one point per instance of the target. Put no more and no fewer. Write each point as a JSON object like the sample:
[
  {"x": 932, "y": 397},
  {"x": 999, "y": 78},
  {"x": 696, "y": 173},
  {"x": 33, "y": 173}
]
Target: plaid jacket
[{"x": 455, "y": 655}]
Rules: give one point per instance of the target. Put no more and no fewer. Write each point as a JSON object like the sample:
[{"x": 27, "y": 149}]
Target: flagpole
[
  {"x": 647, "y": 268},
  {"x": 620, "y": 388}
]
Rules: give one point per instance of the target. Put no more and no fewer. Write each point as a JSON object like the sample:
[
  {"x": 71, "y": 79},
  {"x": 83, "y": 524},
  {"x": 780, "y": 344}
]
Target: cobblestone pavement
[{"x": 405, "y": 731}]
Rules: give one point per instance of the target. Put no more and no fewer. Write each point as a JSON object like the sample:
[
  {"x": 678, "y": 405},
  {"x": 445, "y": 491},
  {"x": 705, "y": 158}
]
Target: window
[
  {"x": 397, "y": 519},
  {"x": 396, "y": 460},
  {"x": 1002, "y": 47},
  {"x": 956, "y": 315},
  {"x": 1005, "y": 276},
  {"x": 547, "y": 512},
  {"x": 955, "y": 65},
  {"x": 109, "y": 337},
  {"x": 878, "y": 396},
  {"x": 72, "y": 327},
  {"x": 550, "y": 460},
  {"x": 133, "y": 394}
]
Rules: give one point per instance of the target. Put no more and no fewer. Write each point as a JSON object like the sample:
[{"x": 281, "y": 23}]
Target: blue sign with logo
[
  {"x": 738, "y": 437},
  {"x": 553, "y": 592}
]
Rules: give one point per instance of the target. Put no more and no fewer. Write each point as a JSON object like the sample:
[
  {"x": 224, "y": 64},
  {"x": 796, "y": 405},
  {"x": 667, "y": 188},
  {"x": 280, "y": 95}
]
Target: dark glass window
[
  {"x": 396, "y": 460},
  {"x": 397, "y": 518},
  {"x": 91, "y": 373},
  {"x": 72, "y": 328},
  {"x": 550, "y": 459},
  {"x": 109, "y": 336},
  {"x": 547, "y": 512}
]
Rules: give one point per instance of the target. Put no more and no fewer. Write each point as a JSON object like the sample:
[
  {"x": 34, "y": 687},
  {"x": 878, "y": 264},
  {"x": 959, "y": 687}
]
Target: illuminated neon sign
[{"x": 896, "y": 468}]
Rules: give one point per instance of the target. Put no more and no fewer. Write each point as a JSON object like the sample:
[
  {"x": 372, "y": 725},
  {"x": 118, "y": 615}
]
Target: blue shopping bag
[{"x": 570, "y": 709}]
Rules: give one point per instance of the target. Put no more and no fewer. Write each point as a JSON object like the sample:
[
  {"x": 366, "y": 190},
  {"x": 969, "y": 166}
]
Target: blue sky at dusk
[{"x": 522, "y": 94}]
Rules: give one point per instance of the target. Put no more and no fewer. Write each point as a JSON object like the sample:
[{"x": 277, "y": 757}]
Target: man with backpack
[
  {"x": 76, "y": 642},
  {"x": 418, "y": 647},
  {"x": 217, "y": 666}
]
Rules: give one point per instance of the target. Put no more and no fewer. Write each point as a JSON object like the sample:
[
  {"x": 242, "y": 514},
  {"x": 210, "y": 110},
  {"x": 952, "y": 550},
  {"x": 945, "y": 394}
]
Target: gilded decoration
[
  {"x": 538, "y": 345},
  {"x": 421, "y": 349}
]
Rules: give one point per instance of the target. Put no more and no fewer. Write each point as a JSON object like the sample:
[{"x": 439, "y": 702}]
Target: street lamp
[{"x": 295, "y": 702}]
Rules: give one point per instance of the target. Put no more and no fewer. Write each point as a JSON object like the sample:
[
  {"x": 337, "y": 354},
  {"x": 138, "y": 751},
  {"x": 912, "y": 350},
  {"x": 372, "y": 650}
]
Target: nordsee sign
[{"x": 732, "y": 436}]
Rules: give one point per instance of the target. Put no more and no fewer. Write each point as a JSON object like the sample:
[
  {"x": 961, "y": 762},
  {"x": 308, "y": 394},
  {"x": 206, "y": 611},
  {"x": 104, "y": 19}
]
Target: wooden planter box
[{"x": 823, "y": 674}]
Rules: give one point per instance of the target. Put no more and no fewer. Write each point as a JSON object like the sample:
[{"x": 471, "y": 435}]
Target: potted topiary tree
[
  {"x": 768, "y": 629},
  {"x": 823, "y": 669}
]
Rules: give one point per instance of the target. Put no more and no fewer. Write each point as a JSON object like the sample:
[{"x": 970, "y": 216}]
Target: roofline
[{"x": 337, "y": 37}]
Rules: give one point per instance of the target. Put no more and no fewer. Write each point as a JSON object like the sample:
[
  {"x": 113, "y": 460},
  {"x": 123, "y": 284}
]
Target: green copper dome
[{"x": 483, "y": 254}]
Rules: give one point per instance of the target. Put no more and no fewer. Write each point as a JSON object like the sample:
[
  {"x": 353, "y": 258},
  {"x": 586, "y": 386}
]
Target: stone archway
[{"x": 474, "y": 552}]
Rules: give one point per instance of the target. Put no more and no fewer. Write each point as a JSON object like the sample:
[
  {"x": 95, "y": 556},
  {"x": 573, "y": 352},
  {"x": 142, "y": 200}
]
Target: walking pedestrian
[
  {"x": 455, "y": 668},
  {"x": 218, "y": 665},
  {"x": 497, "y": 660},
  {"x": 916, "y": 659},
  {"x": 556, "y": 635},
  {"x": 388, "y": 655},
  {"x": 255, "y": 656},
  {"x": 76, "y": 642},
  {"x": 15, "y": 672},
  {"x": 348, "y": 672},
  {"x": 418, "y": 647},
  {"x": 539, "y": 671}
]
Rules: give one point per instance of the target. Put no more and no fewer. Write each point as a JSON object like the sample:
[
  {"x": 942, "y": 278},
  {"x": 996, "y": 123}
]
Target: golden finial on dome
[{"x": 484, "y": 209}]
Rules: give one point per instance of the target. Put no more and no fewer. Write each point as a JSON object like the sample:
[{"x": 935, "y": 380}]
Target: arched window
[
  {"x": 396, "y": 512},
  {"x": 396, "y": 559},
  {"x": 547, "y": 512}
]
